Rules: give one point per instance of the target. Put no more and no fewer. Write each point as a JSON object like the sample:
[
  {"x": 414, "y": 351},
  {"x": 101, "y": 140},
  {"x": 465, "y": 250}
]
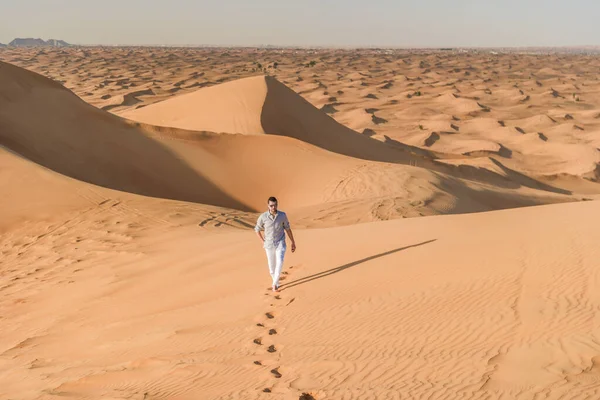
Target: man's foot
[{"x": 275, "y": 288}]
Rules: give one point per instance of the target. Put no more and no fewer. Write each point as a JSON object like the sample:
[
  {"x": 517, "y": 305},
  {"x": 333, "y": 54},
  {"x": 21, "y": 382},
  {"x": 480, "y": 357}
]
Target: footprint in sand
[
  {"x": 257, "y": 341},
  {"x": 275, "y": 371},
  {"x": 272, "y": 332},
  {"x": 269, "y": 315},
  {"x": 206, "y": 221},
  {"x": 272, "y": 349}
]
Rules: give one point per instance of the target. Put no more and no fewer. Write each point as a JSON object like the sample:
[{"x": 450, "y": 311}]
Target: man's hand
[
  {"x": 259, "y": 234},
  {"x": 291, "y": 236}
]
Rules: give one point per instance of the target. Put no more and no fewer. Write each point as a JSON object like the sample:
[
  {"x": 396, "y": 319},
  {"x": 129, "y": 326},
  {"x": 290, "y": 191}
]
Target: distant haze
[{"x": 427, "y": 23}]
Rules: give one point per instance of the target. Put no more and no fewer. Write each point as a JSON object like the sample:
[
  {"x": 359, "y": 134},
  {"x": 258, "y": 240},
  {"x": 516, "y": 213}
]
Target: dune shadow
[
  {"x": 286, "y": 113},
  {"x": 527, "y": 181},
  {"x": 414, "y": 149},
  {"x": 335, "y": 270},
  {"x": 75, "y": 139}
]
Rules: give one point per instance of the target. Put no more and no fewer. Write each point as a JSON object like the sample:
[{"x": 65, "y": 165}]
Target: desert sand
[{"x": 444, "y": 206}]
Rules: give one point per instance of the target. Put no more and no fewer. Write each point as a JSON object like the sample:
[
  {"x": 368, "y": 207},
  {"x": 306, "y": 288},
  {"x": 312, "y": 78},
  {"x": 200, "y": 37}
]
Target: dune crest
[{"x": 263, "y": 105}]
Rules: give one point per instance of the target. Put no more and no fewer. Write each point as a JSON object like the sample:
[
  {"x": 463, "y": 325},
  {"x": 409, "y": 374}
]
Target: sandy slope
[{"x": 493, "y": 305}]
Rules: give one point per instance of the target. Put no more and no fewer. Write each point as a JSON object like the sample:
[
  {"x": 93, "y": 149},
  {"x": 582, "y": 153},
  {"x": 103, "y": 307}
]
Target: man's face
[{"x": 272, "y": 207}]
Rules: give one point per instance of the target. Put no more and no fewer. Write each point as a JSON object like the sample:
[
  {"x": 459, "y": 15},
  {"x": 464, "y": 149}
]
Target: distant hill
[
  {"x": 57, "y": 43},
  {"x": 30, "y": 42},
  {"x": 2, "y": 45},
  {"x": 27, "y": 42}
]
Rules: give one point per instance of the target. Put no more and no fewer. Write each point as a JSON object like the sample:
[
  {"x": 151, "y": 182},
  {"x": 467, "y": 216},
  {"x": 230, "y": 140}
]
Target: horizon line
[{"x": 310, "y": 46}]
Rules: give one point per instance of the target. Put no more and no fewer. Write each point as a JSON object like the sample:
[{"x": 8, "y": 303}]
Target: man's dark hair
[{"x": 272, "y": 199}]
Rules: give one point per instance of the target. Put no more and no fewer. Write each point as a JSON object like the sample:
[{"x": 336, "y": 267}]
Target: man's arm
[
  {"x": 288, "y": 230},
  {"x": 258, "y": 228},
  {"x": 259, "y": 234},
  {"x": 291, "y": 235}
]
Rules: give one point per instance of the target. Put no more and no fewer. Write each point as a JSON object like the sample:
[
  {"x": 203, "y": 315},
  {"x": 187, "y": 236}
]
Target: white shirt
[{"x": 274, "y": 227}]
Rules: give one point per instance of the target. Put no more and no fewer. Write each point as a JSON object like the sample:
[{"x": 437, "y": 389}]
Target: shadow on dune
[
  {"x": 480, "y": 199},
  {"x": 512, "y": 180},
  {"x": 48, "y": 124},
  {"x": 286, "y": 113},
  {"x": 527, "y": 181},
  {"x": 335, "y": 270}
]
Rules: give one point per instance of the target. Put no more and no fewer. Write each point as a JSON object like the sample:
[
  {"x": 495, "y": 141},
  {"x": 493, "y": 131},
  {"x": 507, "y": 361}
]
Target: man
[{"x": 275, "y": 224}]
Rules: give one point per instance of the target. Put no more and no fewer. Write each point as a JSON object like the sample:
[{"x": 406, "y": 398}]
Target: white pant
[{"x": 275, "y": 256}]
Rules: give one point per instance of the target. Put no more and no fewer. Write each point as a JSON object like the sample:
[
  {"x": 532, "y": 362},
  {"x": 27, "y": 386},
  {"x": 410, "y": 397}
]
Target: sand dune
[
  {"x": 227, "y": 170},
  {"x": 102, "y": 149},
  {"x": 263, "y": 105},
  {"x": 453, "y": 103},
  {"x": 233, "y": 107},
  {"x": 128, "y": 99},
  {"x": 129, "y": 265},
  {"x": 520, "y": 90}
]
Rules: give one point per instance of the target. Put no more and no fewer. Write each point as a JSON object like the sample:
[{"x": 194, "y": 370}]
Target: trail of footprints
[{"x": 269, "y": 329}]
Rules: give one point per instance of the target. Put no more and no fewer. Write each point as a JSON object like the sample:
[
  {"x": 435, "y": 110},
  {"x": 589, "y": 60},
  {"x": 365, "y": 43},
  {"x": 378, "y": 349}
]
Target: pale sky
[{"x": 418, "y": 23}]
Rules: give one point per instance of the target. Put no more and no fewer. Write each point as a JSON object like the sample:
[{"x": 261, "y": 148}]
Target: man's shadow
[{"x": 335, "y": 270}]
